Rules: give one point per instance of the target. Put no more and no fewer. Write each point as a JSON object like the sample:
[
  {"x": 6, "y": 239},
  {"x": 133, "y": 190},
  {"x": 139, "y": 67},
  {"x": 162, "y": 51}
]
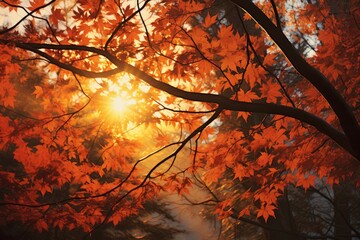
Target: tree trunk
[
  {"x": 342, "y": 230},
  {"x": 284, "y": 220}
]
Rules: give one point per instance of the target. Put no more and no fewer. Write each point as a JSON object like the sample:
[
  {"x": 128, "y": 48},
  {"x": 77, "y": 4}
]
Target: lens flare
[{"x": 120, "y": 104}]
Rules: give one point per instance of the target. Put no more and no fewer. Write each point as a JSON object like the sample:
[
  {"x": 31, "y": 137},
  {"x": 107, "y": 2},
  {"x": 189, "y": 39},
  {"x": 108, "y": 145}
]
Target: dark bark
[
  {"x": 222, "y": 101},
  {"x": 342, "y": 214},
  {"x": 284, "y": 220},
  {"x": 346, "y": 117}
]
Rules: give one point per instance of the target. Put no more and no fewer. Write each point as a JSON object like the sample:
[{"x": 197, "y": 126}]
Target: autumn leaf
[
  {"x": 265, "y": 159},
  {"x": 266, "y": 211},
  {"x": 244, "y": 115},
  {"x": 229, "y": 63},
  {"x": 271, "y": 92},
  {"x": 224, "y": 209},
  {"x": 205, "y": 66},
  {"x": 209, "y": 20},
  {"x": 247, "y": 96},
  {"x": 225, "y": 34},
  {"x": 214, "y": 174},
  {"x": 34, "y": 4},
  {"x": 14, "y": 5},
  {"x": 244, "y": 212},
  {"x": 306, "y": 182},
  {"x": 56, "y": 16},
  {"x": 7, "y": 93},
  {"x": 216, "y": 105},
  {"x": 241, "y": 171},
  {"x": 9, "y": 101},
  {"x": 38, "y": 91},
  {"x": 41, "y": 225}
]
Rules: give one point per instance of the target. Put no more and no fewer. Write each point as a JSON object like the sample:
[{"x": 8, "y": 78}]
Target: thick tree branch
[
  {"x": 222, "y": 101},
  {"x": 347, "y": 119}
]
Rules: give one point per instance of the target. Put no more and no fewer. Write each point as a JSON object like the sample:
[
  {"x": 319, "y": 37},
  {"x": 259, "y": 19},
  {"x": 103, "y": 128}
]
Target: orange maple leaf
[
  {"x": 34, "y": 4},
  {"x": 265, "y": 159},
  {"x": 306, "y": 181},
  {"x": 209, "y": 20},
  {"x": 265, "y": 211},
  {"x": 56, "y": 16},
  {"x": 38, "y": 91}
]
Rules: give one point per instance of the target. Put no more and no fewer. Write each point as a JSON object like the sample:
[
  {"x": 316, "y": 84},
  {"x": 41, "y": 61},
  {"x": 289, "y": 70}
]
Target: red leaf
[
  {"x": 56, "y": 16},
  {"x": 42, "y": 225},
  {"x": 265, "y": 211},
  {"x": 34, "y": 4},
  {"x": 209, "y": 20},
  {"x": 265, "y": 159}
]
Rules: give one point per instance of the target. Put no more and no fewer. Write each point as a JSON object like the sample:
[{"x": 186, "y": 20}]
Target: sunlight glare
[{"x": 120, "y": 104}]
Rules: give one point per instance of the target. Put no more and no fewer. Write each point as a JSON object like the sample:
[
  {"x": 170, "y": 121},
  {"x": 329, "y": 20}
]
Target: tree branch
[
  {"x": 222, "y": 101},
  {"x": 347, "y": 119}
]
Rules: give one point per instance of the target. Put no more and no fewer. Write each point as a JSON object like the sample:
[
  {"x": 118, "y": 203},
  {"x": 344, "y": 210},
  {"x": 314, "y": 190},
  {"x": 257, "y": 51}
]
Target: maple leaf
[
  {"x": 253, "y": 75},
  {"x": 265, "y": 211},
  {"x": 209, "y": 20},
  {"x": 244, "y": 212},
  {"x": 7, "y": 93},
  {"x": 41, "y": 225},
  {"x": 269, "y": 59},
  {"x": 242, "y": 171},
  {"x": 224, "y": 209},
  {"x": 214, "y": 174},
  {"x": 58, "y": 131},
  {"x": 225, "y": 34},
  {"x": 292, "y": 164},
  {"x": 13, "y": 6},
  {"x": 44, "y": 188},
  {"x": 205, "y": 66},
  {"x": 306, "y": 181},
  {"x": 247, "y": 96},
  {"x": 34, "y": 4},
  {"x": 72, "y": 33},
  {"x": 265, "y": 159},
  {"x": 9, "y": 101},
  {"x": 244, "y": 115},
  {"x": 12, "y": 68},
  {"x": 38, "y": 91},
  {"x": 56, "y": 16},
  {"x": 60, "y": 224},
  {"x": 271, "y": 92},
  {"x": 228, "y": 63}
]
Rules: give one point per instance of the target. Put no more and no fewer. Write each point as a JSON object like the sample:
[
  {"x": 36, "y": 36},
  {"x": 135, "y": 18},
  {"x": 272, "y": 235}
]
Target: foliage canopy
[{"x": 106, "y": 104}]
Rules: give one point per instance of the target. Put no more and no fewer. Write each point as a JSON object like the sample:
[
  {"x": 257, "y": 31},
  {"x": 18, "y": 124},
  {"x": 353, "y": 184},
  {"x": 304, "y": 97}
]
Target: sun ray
[{"x": 119, "y": 104}]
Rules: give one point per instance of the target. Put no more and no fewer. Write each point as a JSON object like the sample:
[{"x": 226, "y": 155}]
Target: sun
[{"x": 119, "y": 104}]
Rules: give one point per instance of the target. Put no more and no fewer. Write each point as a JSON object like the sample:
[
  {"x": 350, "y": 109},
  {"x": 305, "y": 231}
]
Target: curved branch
[
  {"x": 7, "y": 30},
  {"x": 347, "y": 119},
  {"x": 222, "y": 101}
]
